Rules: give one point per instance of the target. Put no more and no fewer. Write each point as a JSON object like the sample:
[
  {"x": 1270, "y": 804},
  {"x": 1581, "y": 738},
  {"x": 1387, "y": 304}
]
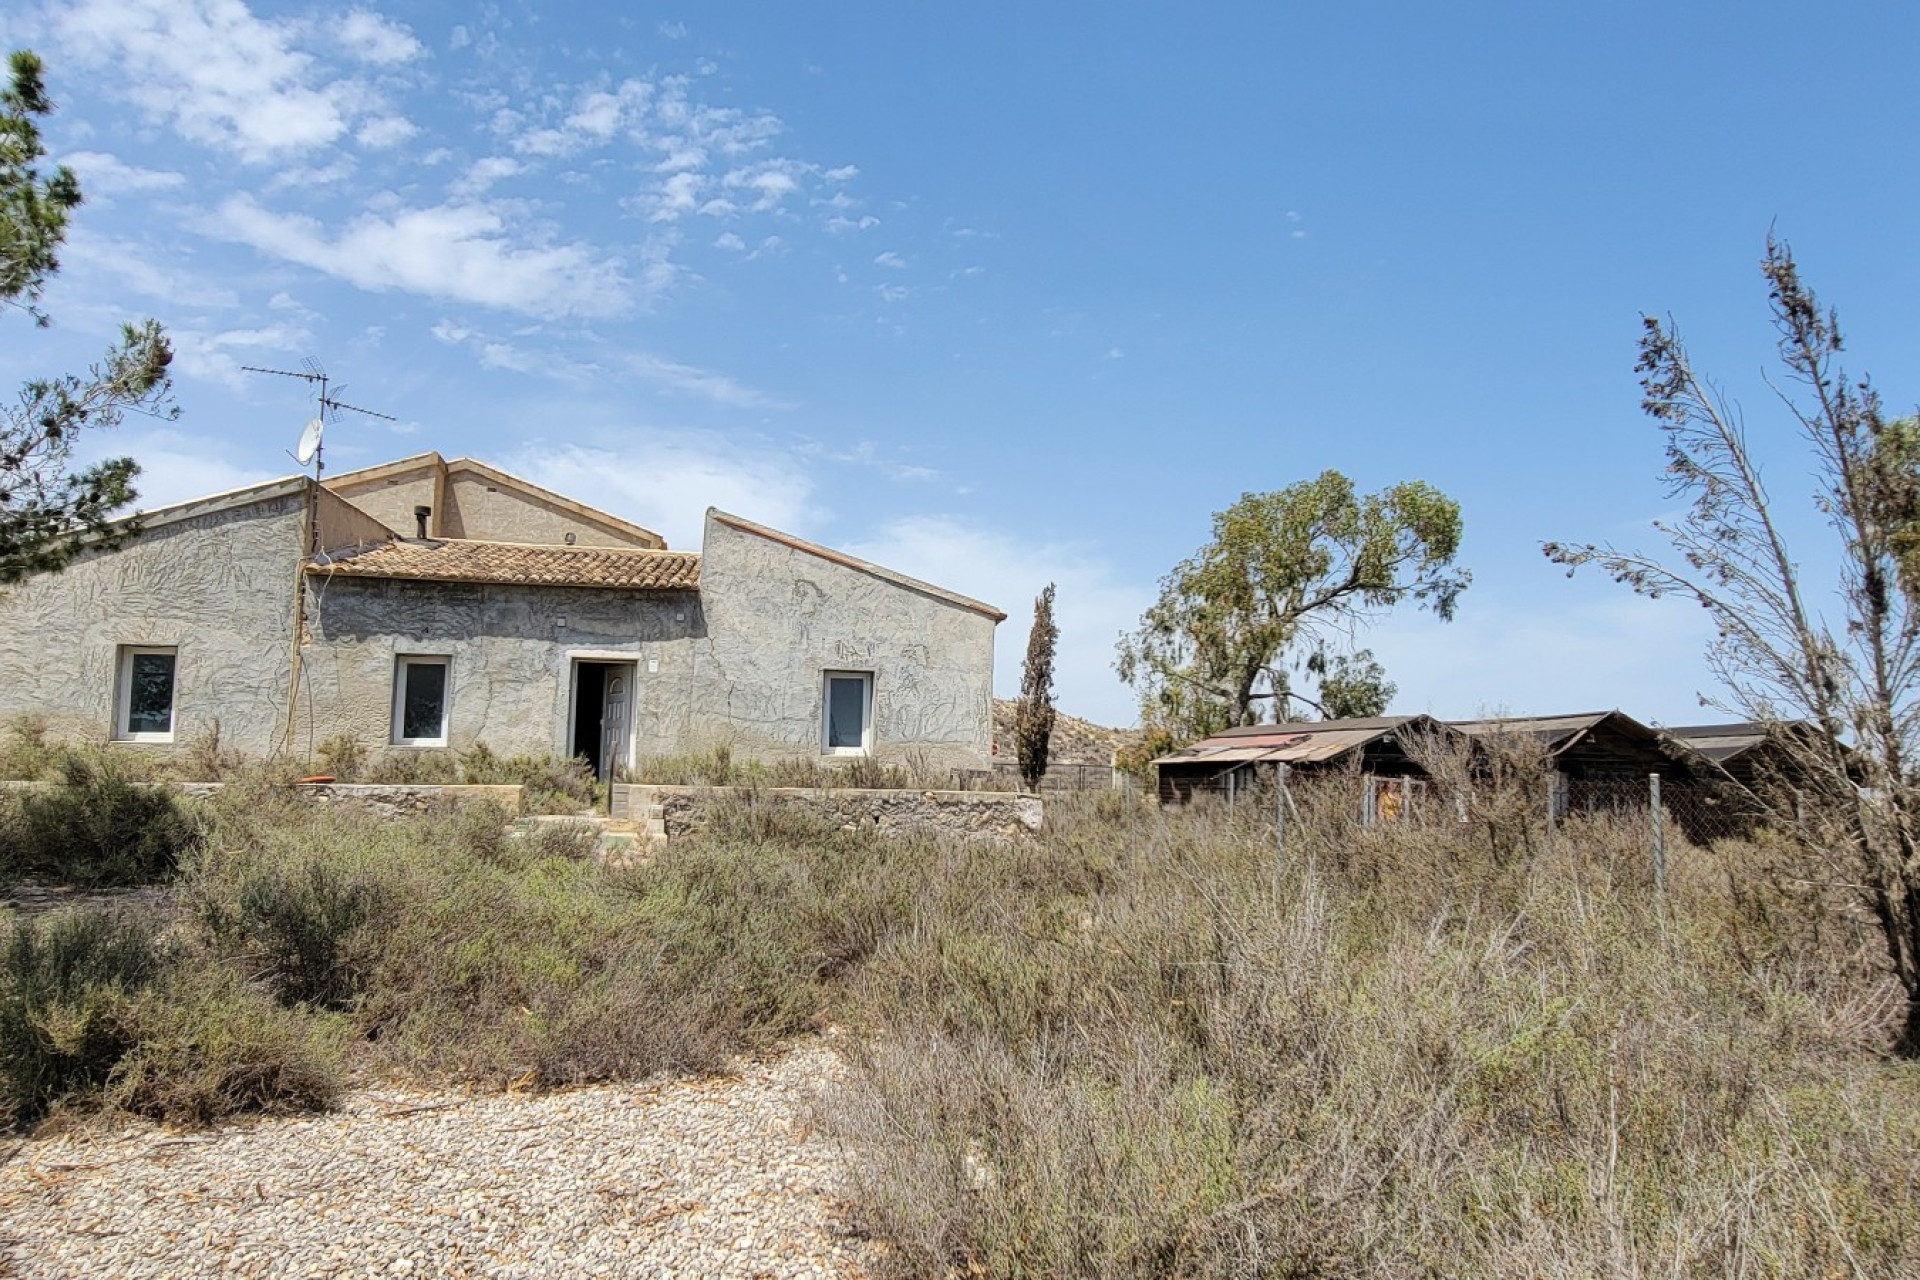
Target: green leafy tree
[
  {"x": 1286, "y": 576},
  {"x": 1777, "y": 655},
  {"x": 1033, "y": 716},
  {"x": 1353, "y": 686},
  {"x": 48, "y": 509}
]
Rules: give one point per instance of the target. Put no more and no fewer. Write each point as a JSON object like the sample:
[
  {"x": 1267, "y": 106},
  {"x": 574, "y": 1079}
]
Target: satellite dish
[{"x": 309, "y": 442}]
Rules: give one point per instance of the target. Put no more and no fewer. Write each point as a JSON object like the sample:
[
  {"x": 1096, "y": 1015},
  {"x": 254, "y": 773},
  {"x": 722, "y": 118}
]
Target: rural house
[{"x": 430, "y": 604}]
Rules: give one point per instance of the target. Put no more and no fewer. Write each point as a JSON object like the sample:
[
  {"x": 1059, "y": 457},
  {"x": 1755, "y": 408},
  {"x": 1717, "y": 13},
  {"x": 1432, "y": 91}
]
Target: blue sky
[{"x": 1002, "y": 294}]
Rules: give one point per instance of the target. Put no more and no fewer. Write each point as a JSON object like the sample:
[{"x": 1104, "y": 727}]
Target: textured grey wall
[
  {"x": 778, "y": 617},
  {"x": 511, "y": 661},
  {"x": 218, "y": 585},
  {"x": 741, "y": 663}
]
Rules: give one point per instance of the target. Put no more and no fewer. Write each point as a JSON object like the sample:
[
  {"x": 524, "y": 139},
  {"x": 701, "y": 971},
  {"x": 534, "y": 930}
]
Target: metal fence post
[
  {"x": 1553, "y": 806},
  {"x": 1659, "y": 835},
  {"x": 1279, "y": 824}
]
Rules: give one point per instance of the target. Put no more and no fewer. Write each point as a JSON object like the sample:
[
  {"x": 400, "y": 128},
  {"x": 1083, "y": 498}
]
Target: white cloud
[
  {"x": 176, "y": 466},
  {"x": 1093, "y": 603},
  {"x": 704, "y": 384},
  {"x": 372, "y": 38},
  {"x": 681, "y": 379},
  {"x": 769, "y": 183},
  {"x": 891, "y": 260},
  {"x": 103, "y": 175},
  {"x": 601, "y": 114},
  {"x": 209, "y": 356},
  {"x": 839, "y": 225},
  {"x": 673, "y": 30},
  {"x": 844, "y": 173},
  {"x": 464, "y": 252},
  {"x": 385, "y": 131},
  {"x": 144, "y": 270},
  {"x": 665, "y": 480},
  {"x": 728, "y": 240},
  {"x": 217, "y": 73},
  {"x": 482, "y": 174}
]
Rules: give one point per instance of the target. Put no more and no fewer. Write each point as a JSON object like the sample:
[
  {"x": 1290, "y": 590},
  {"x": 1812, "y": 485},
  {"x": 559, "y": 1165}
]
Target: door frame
[{"x": 570, "y": 723}]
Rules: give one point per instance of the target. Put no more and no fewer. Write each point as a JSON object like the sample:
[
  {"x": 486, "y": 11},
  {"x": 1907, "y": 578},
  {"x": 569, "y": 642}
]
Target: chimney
[{"x": 420, "y": 515}]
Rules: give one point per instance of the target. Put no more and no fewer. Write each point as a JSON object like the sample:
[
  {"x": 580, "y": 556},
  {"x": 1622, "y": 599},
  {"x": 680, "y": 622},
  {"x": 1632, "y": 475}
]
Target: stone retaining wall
[{"x": 969, "y": 815}]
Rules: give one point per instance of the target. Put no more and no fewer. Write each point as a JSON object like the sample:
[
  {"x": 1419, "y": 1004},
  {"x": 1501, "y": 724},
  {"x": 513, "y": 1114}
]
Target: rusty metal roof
[
  {"x": 1549, "y": 728},
  {"x": 455, "y": 560},
  {"x": 1309, "y": 742}
]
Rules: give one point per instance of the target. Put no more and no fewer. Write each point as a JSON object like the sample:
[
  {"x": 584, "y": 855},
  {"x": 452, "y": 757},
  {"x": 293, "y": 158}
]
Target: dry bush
[
  {"x": 409, "y": 767},
  {"x": 96, "y": 826},
  {"x": 548, "y": 784},
  {"x": 25, "y": 754},
  {"x": 1496, "y": 783},
  {"x": 209, "y": 1045},
  {"x": 1121, "y": 1050}
]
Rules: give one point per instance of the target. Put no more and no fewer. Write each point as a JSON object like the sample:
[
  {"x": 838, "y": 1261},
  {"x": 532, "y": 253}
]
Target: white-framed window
[
  {"x": 846, "y": 713},
  {"x": 422, "y": 696},
  {"x": 143, "y": 705}
]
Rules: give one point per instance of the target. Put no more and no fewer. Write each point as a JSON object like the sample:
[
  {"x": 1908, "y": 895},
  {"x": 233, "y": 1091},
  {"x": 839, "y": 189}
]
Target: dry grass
[
  {"x": 1133, "y": 1045},
  {"x": 1126, "y": 1050}
]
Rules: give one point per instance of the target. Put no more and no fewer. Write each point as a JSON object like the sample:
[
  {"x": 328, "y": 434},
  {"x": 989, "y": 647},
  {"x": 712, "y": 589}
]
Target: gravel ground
[{"x": 712, "y": 1177}]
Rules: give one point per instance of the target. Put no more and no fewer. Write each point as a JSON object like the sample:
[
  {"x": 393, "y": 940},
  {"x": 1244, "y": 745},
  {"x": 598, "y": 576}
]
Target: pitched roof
[
  {"x": 453, "y": 560},
  {"x": 1306, "y": 742},
  {"x": 432, "y": 462},
  {"x": 1552, "y": 730}
]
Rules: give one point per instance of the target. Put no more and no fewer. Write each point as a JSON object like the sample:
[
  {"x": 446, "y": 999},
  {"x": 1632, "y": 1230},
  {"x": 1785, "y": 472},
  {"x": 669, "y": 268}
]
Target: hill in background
[{"x": 1075, "y": 741}]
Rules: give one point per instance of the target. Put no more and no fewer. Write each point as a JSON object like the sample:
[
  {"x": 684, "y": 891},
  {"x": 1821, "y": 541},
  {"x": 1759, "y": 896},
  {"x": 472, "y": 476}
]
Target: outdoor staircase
[{"x": 634, "y": 831}]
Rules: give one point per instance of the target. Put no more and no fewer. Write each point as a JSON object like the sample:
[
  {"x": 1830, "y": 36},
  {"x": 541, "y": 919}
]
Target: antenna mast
[{"x": 330, "y": 406}]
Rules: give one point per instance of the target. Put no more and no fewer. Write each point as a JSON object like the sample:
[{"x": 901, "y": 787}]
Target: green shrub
[
  {"x": 303, "y": 927},
  {"x": 713, "y": 767},
  {"x": 64, "y": 994},
  {"x": 95, "y": 826},
  {"x": 25, "y": 755},
  {"x": 408, "y": 767},
  {"x": 550, "y": 784},
  {"x": 343, "y": 756},
  {"x": 208, "y": 1045}
]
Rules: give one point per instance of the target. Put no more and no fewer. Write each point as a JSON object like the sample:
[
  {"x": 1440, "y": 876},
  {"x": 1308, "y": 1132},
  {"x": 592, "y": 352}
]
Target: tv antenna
[{"x": 310, "y": 447}]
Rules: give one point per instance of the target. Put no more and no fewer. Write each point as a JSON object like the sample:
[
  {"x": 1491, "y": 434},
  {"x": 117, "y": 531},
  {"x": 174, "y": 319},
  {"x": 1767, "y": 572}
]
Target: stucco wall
[
  {"x": 217, "y": 585},
  {"x": 391, "y": 501},
  {"x": 779, "y": 617},
  {"x": 480, "y": 509},
  {"x": 338, "y": 523},
  {"x": 511, "y": 659}
]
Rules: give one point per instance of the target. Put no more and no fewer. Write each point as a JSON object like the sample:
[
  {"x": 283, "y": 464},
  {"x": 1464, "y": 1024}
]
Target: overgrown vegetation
[
  {"x": 1849, "y": 787},
  {"x": 95, "y": 827},
  {"x": 1133, "y": 1045},
  {"x": 552, "y": 784},
  {"x": 716, "y": 767},
  {"x": 1128, "y": 1050}
]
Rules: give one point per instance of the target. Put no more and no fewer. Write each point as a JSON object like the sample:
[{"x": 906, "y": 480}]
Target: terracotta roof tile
[{"x": 453, "y": 560}]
